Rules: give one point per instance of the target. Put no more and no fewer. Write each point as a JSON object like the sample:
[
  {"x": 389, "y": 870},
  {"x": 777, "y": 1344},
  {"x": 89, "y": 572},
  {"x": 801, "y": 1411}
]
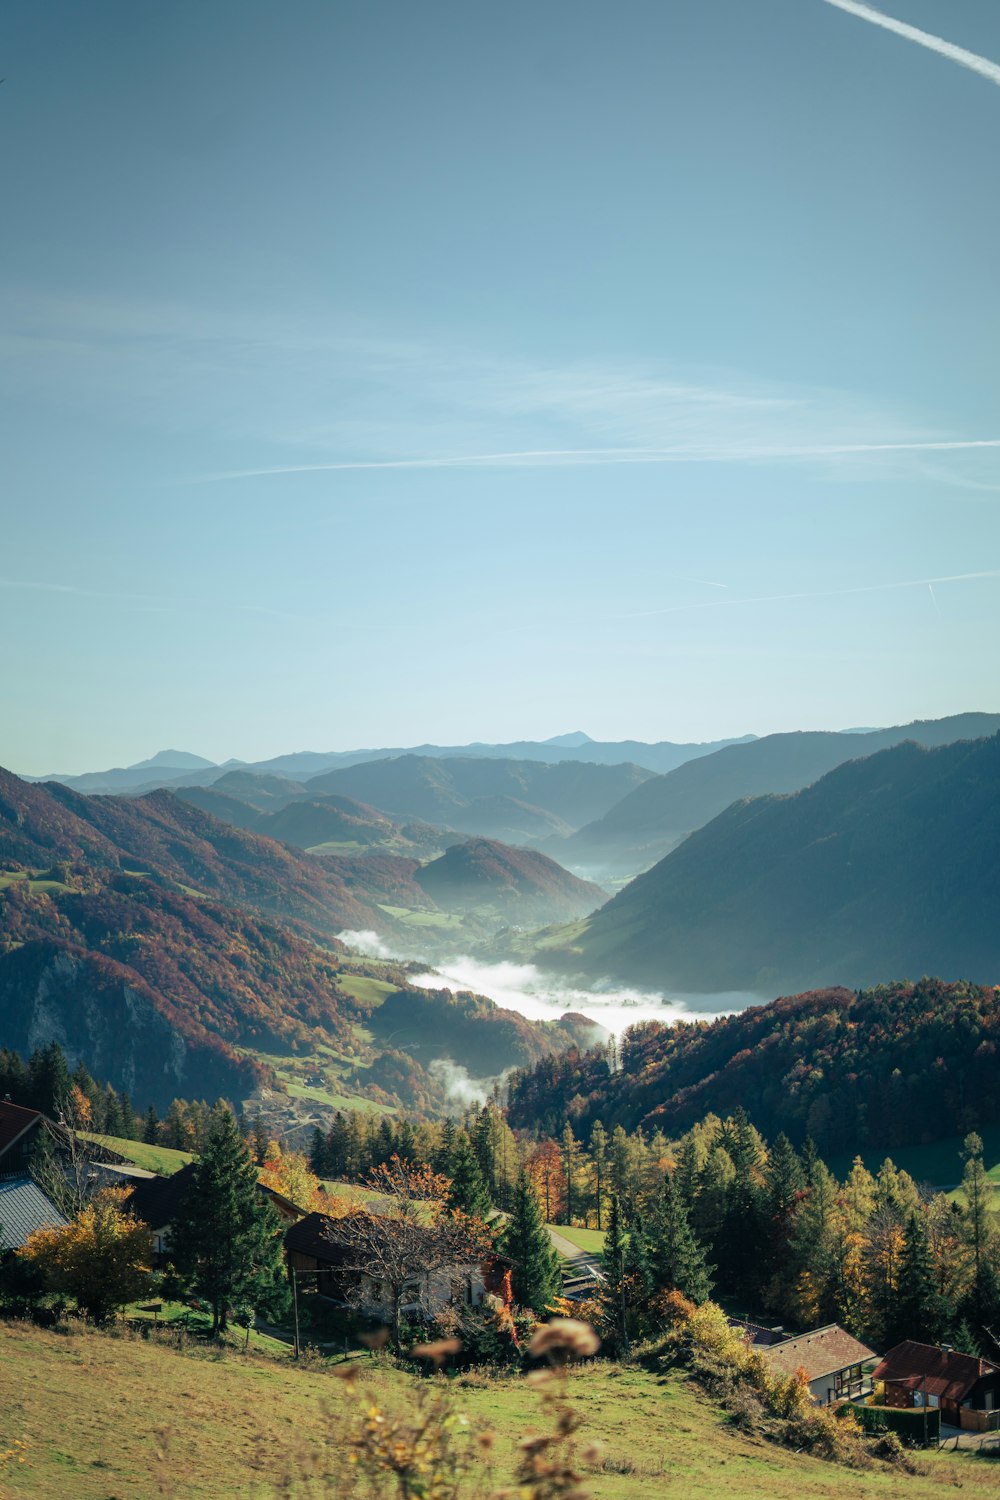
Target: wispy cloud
[
  {"x": 318, "y": 397},
  {"x": 965, "y": 59},
  {"x": 865, "y": 588},
  {"x": 556, "y": 457},
  {"x": 145, "y": 602}
]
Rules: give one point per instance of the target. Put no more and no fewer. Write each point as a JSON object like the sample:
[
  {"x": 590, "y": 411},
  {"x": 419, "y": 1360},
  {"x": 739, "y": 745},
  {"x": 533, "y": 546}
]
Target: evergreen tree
[
  {"x": 484, "y": 1146},
  {"x": 599, "y": 1160},
  {"x": 676, "y": 1259},
  {"x": 151, "y": 1127},
  {"x": 688, "y": 1171},
  {"x": 468, "y": 1191},
  {"x": 537, "y": 1275},
  {"x": 317, "y": 1153},
  {"x": 981, "y": 1304},
  {"x": 337, "y": 1149},
  {"x": 226, "y": 1242},
  {"x": 571, "y": 1154},
  {"x": 915, "y": 1313},
  {"x": 815, "y": 1253},
  {"x": 614, "y": 1294},
  {"x": 49, "y": 1079},
  {"x": 741, "y": 1237},
  {"x": 441, "y": 1159},
  {"x": 406, "y": 1141}
]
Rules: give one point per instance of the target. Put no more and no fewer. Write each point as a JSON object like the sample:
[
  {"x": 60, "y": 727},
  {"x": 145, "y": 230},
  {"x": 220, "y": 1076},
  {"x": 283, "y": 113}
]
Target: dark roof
[
  {"x": 757, "y": 1333},
  {"x": 156, "y": 1200},
  {"x": 822, "y": 1352},
  {"x": 23, "y": 1209},
  {"x": 308, "y": 1237},
  {"x": 939, "y": 1372},
  {"x": 15, "y": 1119}
]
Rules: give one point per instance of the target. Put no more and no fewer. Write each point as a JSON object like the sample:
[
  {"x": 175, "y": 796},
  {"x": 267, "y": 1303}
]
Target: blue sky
[{"x": 375, "y": 373}]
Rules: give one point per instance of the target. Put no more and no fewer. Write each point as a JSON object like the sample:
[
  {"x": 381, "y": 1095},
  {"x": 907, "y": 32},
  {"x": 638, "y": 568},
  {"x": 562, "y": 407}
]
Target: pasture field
[
  {"x": 124, "y": 1418},
  {"x": 590, "y": 1240},
  {"x": 160, "y": 1159}
]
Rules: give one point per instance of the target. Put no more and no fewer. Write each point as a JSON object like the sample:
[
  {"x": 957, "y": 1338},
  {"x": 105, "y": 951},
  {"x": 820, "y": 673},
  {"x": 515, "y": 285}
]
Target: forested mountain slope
[
  {"x": 522, "y": 885},
  {"x": 654, "y": 817},
  {"x": 162, "y": 836},
  {"x": 489, "y": 797},
  {"x": 889, "y": 865},
  {"x": 901, "y": 1064}
]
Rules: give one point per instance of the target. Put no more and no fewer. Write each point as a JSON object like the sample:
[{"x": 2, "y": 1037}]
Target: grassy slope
[
  {"x": 591, "y": 1240},
  {"x": 159, "y": 1159},
  {"x": 939, "y": 1163},
  {"x": 94, "y": 1409}
]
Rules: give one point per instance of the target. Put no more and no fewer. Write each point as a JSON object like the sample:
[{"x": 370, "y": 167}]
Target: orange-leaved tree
[{"x": 101, "y": 1258}]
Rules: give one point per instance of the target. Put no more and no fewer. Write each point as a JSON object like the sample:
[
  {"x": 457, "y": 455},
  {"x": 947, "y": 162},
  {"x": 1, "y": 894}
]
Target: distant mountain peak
[
  {"x": 570, "y": 741},
  {"x": 179, "y": 760}
]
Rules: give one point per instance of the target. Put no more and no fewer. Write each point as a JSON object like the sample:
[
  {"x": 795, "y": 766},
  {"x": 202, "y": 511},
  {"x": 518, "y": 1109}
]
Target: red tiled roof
[
  {"x": 14, "y": 1121},
  {"x": 822, "y": 1352},
  {"x": 940, "y": 1372}
]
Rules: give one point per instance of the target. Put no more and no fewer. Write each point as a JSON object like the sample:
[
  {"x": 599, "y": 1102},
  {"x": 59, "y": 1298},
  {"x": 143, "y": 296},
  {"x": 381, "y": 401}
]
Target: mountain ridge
[{"x": 886, "y": 865}]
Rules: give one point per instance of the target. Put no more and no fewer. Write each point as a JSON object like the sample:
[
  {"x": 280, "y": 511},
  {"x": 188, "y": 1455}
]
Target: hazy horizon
[{"x": 620, "y": 738}]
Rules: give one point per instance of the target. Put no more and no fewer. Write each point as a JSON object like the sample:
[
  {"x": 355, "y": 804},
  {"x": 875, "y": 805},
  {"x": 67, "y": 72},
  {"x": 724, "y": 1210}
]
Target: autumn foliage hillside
[
  {"x": 900, "y": 1064},
  {"x": 162, "y": 836}
]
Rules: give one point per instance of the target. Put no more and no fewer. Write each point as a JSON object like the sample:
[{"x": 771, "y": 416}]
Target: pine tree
[
  {"x": 599, "y": 1160},
  {"x": 571, "y": 1154},
  {"x": 337, "y": 1149},
  {"x": 317, "y": 1152},
  {"x": 49, "y": 1079},
  {"x": 151, "y": 1127},
  {"x": 915, "y": 1312},
  {"x": 676, "y": 1259},
  {"x": 742, "y": 1236},
  {"x": 536, "y": 1276},
  {"x": 688, "y": 1171},
  {"x": 468, "y": 1191},
  {"x": 441, "y": 1159},
  {"x": 815, "y": 1253},
  {"x": 485, "y": 1149},
  {"x": 614, "y": 1296},
  {"x": 226, "y": 1243},
  {"x": 981, "y": 1304}
]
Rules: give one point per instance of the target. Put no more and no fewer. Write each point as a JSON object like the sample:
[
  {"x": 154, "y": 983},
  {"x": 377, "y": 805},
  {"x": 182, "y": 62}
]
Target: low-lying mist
[{"x": 544, "y": 997}]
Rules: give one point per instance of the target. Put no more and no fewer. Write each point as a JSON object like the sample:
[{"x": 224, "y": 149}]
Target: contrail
[
  {"x": 542, "y": 457},
  {"x": 866, "y": 588},
  {"x": 930, "y": 590},
  {"x": 965, "y": 59}
]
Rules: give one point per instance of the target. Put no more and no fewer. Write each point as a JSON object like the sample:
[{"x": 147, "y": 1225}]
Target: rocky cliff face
[{"x": 100, "y": 1013}]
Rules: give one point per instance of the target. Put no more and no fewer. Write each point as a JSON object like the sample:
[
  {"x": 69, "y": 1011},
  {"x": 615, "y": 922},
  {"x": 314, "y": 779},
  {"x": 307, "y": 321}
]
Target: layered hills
[
  {"x": 516, "y": 801},
  {"x": 522, "y": 886},
  {"x": 655, "y": 816},
  {"x": 175, "y": 768},
  {"x": 161, "y": 835},
  {"x": 887, "y": 865},
  {"x": 179, "y": 955}
]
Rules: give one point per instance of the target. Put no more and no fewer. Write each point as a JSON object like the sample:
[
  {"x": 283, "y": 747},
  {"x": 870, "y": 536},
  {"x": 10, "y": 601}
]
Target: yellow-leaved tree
[
  {"x": 288, "y": 1173},
  {"x": 101, "y": 1258}
]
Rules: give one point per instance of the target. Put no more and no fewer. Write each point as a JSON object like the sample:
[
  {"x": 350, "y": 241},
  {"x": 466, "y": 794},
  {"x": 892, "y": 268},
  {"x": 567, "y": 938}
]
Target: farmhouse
[
  {"x": 157, "y": 1200},
  {"x": 964, "y": 1387},
  {"x": 832, "y": 1359},
  {"x": 19, "y": 1132},
  {"x": 311, "y": 1247}
]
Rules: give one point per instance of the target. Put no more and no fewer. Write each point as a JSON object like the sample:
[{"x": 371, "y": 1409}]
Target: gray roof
[{"x": 24, "y": 1208}]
